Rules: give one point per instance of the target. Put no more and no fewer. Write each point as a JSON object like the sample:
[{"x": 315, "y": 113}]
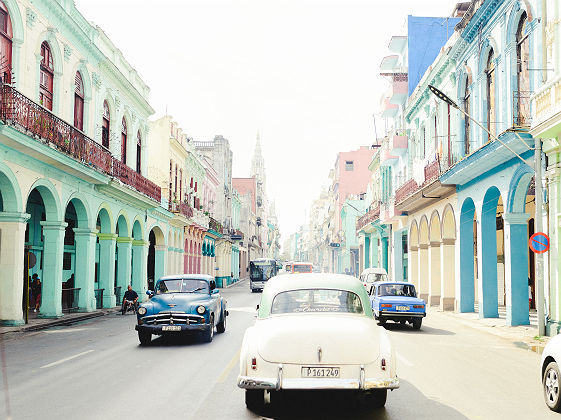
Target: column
[
  {"x": 434, "y": 273},
  {"x": 85, "y": 268},
  {"x": 465, "y": 273},
  {"x": 367, "y": 251},
  {"x": 107, "y": 245},
  {"x": 516, "y": 268},
  {"x": 414, "y": 266},
  {"x": 53, "y": 247},
  {"x": 385, "y": 253},
  {"x": 139, "y": 280},
  {"x": 159, "y": 262},
  {"x": 447, "y": 274},
  {"x": 12, "y": 232},
  {"x": 487, "y": 266},
  {"x": 423, "y": 267},
  {"x": 397, "y": 257},
  {"x": 124, "y": 264},
  {"x": 374, "y": 258}
]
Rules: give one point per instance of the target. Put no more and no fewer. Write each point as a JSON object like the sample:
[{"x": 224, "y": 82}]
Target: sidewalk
[
  {"x": 524, "y": 336},
  {"x": 67, "y": 319}
]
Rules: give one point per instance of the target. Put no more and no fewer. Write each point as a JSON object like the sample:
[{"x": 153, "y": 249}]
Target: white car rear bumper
[{"x": 281, "y": 382}]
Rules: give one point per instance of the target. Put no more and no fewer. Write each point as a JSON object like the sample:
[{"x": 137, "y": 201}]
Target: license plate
[
  {"x": 320, "y": 372},
  {"x": 403, "y": 308},
  {"x": 171, "y": 328}
]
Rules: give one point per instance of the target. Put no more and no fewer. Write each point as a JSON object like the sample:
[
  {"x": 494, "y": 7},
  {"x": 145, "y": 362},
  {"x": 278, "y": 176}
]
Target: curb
[
  {"x": 61, "y": 321},
  {"x": 236, "y": 283}
]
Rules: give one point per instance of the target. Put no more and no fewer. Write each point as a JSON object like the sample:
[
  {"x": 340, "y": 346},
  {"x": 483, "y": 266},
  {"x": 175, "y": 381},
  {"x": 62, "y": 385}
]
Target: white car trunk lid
[{"x": 343, "y": 339}]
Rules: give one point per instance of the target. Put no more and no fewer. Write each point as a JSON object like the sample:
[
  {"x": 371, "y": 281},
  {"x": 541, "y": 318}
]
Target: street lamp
[{"x": 537, "y": 168}]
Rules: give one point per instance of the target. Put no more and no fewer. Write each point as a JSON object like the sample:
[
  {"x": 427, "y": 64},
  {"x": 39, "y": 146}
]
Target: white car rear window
[{"x": 316, "y": 300}]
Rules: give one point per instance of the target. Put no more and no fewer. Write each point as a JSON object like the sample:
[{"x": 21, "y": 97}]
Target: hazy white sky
[{"x": 304, "y": 73}]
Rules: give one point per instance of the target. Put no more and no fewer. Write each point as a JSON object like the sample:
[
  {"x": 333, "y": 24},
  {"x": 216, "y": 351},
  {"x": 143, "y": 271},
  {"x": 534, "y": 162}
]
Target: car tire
[
  {"x": 417, "y": 323},
  {"x": 254, "y": 399},
  {"x": 208, "y": 335},
  {"x": 145, "y": 338},
  {"x": 221, "y": 326},
  {"x": 381, "y": 320},
  {"x": 551, "y": 386},
  {"x": 378, "y": 398}
]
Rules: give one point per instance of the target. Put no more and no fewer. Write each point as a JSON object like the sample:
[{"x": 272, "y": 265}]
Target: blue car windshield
[
  {"x": 397, "y": 290},
  {"x": 182, "y": 286}
]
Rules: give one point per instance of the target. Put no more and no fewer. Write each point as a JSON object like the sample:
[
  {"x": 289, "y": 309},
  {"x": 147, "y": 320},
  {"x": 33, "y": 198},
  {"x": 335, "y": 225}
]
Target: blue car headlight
[
  {"x": 201, "y": 309},
  {"x": 142, "y": 310}
]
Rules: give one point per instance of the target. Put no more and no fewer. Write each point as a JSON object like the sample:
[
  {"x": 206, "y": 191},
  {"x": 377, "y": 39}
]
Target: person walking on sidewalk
[{"x": 36, "y": 289}]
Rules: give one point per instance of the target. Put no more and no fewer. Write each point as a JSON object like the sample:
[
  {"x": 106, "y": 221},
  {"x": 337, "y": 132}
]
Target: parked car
[
  {"x": 340, "y": 347},
  {"x": 550, "y": 373},
  {"x": 370, "y": 275},
  {"x": 398, "y": 302},
  {"x": 184, "y": 303}
]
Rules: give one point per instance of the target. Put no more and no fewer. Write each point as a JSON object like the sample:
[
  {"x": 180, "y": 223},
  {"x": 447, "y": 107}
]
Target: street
[{"x": 97, "y": 370}]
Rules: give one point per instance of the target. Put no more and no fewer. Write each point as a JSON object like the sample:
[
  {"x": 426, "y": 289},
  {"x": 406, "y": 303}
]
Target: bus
[
  {"x": 301, "y": 267},
  {"x": 261, "y": 270}
]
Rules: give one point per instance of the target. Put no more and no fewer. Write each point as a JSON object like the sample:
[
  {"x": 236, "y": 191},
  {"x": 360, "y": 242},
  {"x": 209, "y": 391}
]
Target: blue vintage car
[
  {"x": 398, "y": 302},
  {"x": 185, "y": 303}
]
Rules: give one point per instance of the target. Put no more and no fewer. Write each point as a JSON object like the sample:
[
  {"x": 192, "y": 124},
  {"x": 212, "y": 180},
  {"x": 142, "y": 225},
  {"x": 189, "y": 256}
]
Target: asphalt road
[{"x": 97, "y": 370}]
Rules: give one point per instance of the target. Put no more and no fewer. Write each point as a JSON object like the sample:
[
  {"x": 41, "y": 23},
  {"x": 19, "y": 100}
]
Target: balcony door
[
  {"x": 79, "y": 102},
  {"x": 46, "y": 77}
]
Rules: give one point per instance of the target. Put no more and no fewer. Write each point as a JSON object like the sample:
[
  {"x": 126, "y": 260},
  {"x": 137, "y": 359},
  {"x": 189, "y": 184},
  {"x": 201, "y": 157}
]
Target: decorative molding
[
  {"x": 67, "y": 52},
  {"x": 117, "y": 104},
  {"x": 96, "y": 80},
  {"x": 31, "y": 16}
]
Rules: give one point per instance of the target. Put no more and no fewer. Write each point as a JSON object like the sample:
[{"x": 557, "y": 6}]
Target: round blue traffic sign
[{"x": 539, "y": 242}]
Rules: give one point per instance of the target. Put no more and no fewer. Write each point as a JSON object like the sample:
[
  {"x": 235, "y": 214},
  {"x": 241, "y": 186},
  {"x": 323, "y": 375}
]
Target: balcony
[
  {"x": 389, "y": 110},
  {"x": 406, "y": 190},
  {"x": 181, "y": 208},
  {"x": 399, "y": 88},
  {"x": 37, "y": 122},
  {"x": 398, "y": 143},
  {"x": 386, "y": 157},
  {"x": 372, "y": 215},
  {"x": 214, "y": 225}
]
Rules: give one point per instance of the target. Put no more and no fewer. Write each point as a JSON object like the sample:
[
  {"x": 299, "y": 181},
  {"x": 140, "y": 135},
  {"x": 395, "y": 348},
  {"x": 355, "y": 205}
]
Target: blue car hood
[
  {"x": 402, "y": 299},
  {"x": 185, "y": 302}
]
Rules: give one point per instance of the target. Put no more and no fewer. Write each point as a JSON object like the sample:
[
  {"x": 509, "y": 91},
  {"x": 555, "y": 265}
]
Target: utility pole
[{"x": 538, "y": 223}]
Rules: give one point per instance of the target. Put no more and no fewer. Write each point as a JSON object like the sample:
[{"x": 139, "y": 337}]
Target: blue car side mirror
[{"x": 149, "y": 292}]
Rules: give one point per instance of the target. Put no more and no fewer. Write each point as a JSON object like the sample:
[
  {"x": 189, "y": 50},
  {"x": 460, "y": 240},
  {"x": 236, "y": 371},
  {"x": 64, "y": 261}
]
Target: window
[
  {"x": 170, "y": 178},
  {"x": 491, "y": 85},
  {"x": 423, "y": 143},
  {"x": 123, "y": 140},
  {"x": 46, "y": 77},
  {"x": 138, "y": 152},
  {"x": 466, "y": 119},
  {"x": 78, "y": 102},
  {"x": 316, "y": 301},
  {"x": 180, "y": 184},
  {"x": 436, "y": 139},
  {"x": 175, "y": 183},
  {"x": 5, "y": 45},
  {"x": 105, "y": 124},
  {"x": 522, "y": 70},
  {"x": 349, "y": 165}
]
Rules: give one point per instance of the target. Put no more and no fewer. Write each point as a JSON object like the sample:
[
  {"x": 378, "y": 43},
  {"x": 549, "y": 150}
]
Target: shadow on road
[
  {"x": 407, "y": 329},
  {"x": 405, "y": 403}
]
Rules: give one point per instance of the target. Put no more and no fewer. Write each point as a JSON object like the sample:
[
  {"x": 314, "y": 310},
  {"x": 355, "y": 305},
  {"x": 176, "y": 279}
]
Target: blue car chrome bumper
[
  {"x": 159, "y": 329},
  {"x": 402, "y": 314}
]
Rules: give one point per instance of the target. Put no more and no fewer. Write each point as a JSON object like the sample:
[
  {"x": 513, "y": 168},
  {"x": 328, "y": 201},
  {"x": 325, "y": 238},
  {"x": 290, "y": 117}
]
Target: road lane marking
[
  {"x": 403, "y": 360},
  {"x": 235, "y": 360},
  {"x": 58, "y": 362}
]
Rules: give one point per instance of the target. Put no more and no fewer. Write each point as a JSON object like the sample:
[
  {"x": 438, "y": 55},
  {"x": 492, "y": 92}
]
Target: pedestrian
[
  {"x": 36, "y": 288},
  {"x": 529, "y": 293}
]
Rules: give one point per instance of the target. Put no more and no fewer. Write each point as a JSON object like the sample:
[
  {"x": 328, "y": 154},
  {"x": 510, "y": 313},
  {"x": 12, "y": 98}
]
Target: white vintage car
[{"x": 316, "y": 332}]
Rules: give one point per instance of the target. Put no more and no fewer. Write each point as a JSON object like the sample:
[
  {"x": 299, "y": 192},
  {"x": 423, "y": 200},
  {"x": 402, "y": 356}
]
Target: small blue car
[
  {"x": 185, "y": 303},
  {"x": 398, "y": 302}
]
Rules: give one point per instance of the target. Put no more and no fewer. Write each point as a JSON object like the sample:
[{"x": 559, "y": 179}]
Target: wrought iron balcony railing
[
  {"x": 369, "y": 217},
  {"x": 32, "y": 119},
  {"x": 182, "y": 208},
  {"x": 214, "y": 225}
]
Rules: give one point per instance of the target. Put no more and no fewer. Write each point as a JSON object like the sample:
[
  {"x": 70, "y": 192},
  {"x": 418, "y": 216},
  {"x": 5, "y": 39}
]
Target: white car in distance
[{"x": 316, "y": 332}]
